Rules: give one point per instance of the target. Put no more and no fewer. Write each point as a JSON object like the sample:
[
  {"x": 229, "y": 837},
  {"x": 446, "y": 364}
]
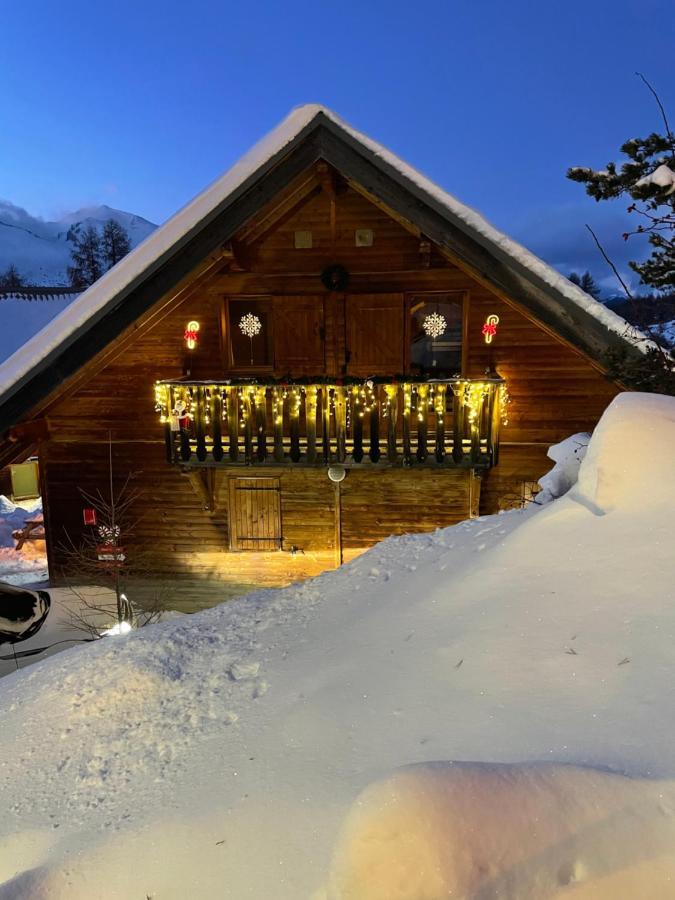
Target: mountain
[{"x": 41, "y": 250}]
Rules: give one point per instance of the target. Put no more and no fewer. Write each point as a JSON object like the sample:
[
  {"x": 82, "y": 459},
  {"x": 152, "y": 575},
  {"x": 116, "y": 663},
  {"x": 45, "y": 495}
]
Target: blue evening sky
[{"x": 140, "y": 103}]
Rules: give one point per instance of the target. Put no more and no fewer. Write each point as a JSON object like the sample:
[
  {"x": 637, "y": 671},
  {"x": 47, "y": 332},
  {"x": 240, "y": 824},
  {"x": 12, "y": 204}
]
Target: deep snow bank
[
  {"x": 220, "y": 755},
  {"x": 520, "y": 832}
]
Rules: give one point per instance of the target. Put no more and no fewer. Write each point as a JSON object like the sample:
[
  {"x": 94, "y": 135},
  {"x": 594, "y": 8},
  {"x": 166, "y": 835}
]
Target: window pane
[
  {"x": 251, "y": 348},
  {"x": 436, "y": 335}
]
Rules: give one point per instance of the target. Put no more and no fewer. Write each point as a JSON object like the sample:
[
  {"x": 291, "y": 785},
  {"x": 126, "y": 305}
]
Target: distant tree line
[{"x": 91, "y": 254}]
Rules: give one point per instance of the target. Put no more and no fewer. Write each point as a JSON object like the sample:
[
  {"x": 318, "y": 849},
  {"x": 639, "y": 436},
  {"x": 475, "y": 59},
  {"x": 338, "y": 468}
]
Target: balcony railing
[{"x": 452, "y": 422}]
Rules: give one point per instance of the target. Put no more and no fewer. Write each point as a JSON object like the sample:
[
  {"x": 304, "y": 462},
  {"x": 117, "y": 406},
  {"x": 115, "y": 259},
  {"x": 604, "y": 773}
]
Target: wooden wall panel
[
  {"x": 299, "y": 335},
  {"x": 378, "y": 503},
  {"x": 393, "y": 247},
  {"x": 554, "y": 391},
  {"x": 375, "y": 329}
]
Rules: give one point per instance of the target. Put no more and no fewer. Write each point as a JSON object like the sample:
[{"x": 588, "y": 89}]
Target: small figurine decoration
[{"x": 180, "y": 417}]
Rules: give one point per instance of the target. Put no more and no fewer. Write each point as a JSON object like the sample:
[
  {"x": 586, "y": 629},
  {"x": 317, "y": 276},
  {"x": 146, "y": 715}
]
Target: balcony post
[
  {"x": 294, "y": 418},
  {"x": 407, "y": 412},
  {"x": 247, "y": 415},
  {"x": 278, "y": 423},
  {"x": 357, "y": 424},
  {"x": 261, "y": 423},
  {"x": 422, "y": 422},
  {"x": 374, "y": 413},
  {"x": 458, "y": 422},
  {"x": 340, "y": 423},
  {"x": 391, "y": 391},
  {"x": 325, "y": 422},
  {"x": 310, "y": 421},
  {"x": 216, "y": 423},
  {"x": 439, "y": 411},
  {"x": 233, "y": 423}
]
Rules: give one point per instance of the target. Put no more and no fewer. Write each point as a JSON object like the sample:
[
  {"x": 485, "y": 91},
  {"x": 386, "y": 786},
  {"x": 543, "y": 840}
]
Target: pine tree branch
[
  {"x": 663, "y": 113},
  {"x": 646, "y": 327},
  {"x": 611, "y": 265}
]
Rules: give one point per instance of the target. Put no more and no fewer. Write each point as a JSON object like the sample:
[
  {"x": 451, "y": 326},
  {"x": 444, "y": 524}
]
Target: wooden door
[
  {"x": 255, "y": 514},
  {"x": 299, "y": 335},
  {"x": 375, "y": 334}
]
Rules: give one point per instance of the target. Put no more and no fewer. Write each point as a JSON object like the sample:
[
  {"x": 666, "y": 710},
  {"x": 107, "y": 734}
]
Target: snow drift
[
  {"x": 522, "y": 832},
  {"x": 220, "y": 755}
]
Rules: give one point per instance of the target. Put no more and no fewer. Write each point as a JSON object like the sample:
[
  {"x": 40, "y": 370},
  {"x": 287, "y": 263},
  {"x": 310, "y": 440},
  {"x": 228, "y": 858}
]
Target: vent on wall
[{"x": 303, "y": 240}]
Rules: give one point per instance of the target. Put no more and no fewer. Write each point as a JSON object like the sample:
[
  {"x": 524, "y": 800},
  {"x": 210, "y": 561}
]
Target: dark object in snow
[{"x": 22, "y": 612}]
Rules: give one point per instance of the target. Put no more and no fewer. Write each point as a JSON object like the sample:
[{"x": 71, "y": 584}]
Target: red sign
[{"x": 89, "y": 516}]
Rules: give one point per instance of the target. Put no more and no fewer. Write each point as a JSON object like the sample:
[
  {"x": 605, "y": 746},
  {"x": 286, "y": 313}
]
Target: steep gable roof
[{"x": 308, "y": 134}]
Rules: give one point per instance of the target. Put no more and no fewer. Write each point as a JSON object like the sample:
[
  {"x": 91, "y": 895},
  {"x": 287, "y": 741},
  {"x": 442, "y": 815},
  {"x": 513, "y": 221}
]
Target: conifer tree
[
  {"x": 87, "y": 266},
  {"x": 647, "y": 176},
  {"x": 115, "y": 243},
  {"x": 11, "y": 279},
  {"x": 587, "y": 283}
]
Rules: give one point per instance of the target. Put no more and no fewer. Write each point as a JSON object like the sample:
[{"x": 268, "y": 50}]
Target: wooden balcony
[{"x": 451, "y": 423}]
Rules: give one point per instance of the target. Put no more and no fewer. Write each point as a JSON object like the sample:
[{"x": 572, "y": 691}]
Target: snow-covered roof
[{"x": 107, "y": 294}]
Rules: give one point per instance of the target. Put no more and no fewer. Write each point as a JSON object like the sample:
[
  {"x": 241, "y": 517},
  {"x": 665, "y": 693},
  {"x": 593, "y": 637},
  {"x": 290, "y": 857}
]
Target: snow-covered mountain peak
[{"x": 40, "y": 249}]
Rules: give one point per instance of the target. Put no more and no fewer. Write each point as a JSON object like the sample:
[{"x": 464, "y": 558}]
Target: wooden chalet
[{"x": 321, "y": 350}]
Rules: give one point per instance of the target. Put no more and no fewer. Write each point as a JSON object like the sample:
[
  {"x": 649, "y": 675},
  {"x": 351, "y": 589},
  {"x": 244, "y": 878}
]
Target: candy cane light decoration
[
  {"x": 490, "y": 328},
  {"x": 191, "y": 334}
]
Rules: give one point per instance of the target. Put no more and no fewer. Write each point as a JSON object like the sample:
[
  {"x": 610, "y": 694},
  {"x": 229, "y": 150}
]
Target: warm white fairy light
[
  {"x": 250, "y": 325},
  {"x": 434, "y": 325}
]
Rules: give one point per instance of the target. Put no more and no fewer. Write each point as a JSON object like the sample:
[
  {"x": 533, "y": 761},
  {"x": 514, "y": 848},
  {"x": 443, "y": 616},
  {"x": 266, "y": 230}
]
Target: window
[
  {"x": 249, "y": 321},
  {"x": 435, "y": 323},
  {"x": 255, "y": 514}
]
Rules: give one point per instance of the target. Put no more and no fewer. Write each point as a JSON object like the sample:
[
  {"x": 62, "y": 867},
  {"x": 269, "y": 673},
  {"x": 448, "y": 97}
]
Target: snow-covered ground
[
  {"x": 665, "y": 331},
  {"x": 281, "y": 745}
]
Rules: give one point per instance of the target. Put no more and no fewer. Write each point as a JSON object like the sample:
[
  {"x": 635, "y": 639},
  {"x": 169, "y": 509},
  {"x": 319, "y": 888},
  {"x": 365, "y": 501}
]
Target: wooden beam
[
  {"x": 203, "y": 483},
  {"x": 302, "y": 189},
  {"x": 285, "y": 215},
  {"x": 36, "y": 430},
  {"x": 450, "y": 278}
]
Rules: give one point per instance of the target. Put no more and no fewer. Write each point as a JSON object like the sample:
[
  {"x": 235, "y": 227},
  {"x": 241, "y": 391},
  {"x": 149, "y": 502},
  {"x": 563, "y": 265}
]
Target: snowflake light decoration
[
  {"x": 434, "y": 325},
  {"x": 250, "y": 325}
]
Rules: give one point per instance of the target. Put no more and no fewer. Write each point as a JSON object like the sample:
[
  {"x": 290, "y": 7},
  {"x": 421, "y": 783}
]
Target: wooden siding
[
  {"x": 173, "y": 535},
  {"x": 554, "y": 390},
  {"x": 378, "y": 504}
]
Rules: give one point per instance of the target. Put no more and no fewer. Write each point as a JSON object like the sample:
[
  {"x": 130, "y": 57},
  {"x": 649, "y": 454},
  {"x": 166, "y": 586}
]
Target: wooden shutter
[
  {"x": 255, "y": 514},
  {"x": 375, "y": 334},
  {"x": 299, "y": 335}
]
